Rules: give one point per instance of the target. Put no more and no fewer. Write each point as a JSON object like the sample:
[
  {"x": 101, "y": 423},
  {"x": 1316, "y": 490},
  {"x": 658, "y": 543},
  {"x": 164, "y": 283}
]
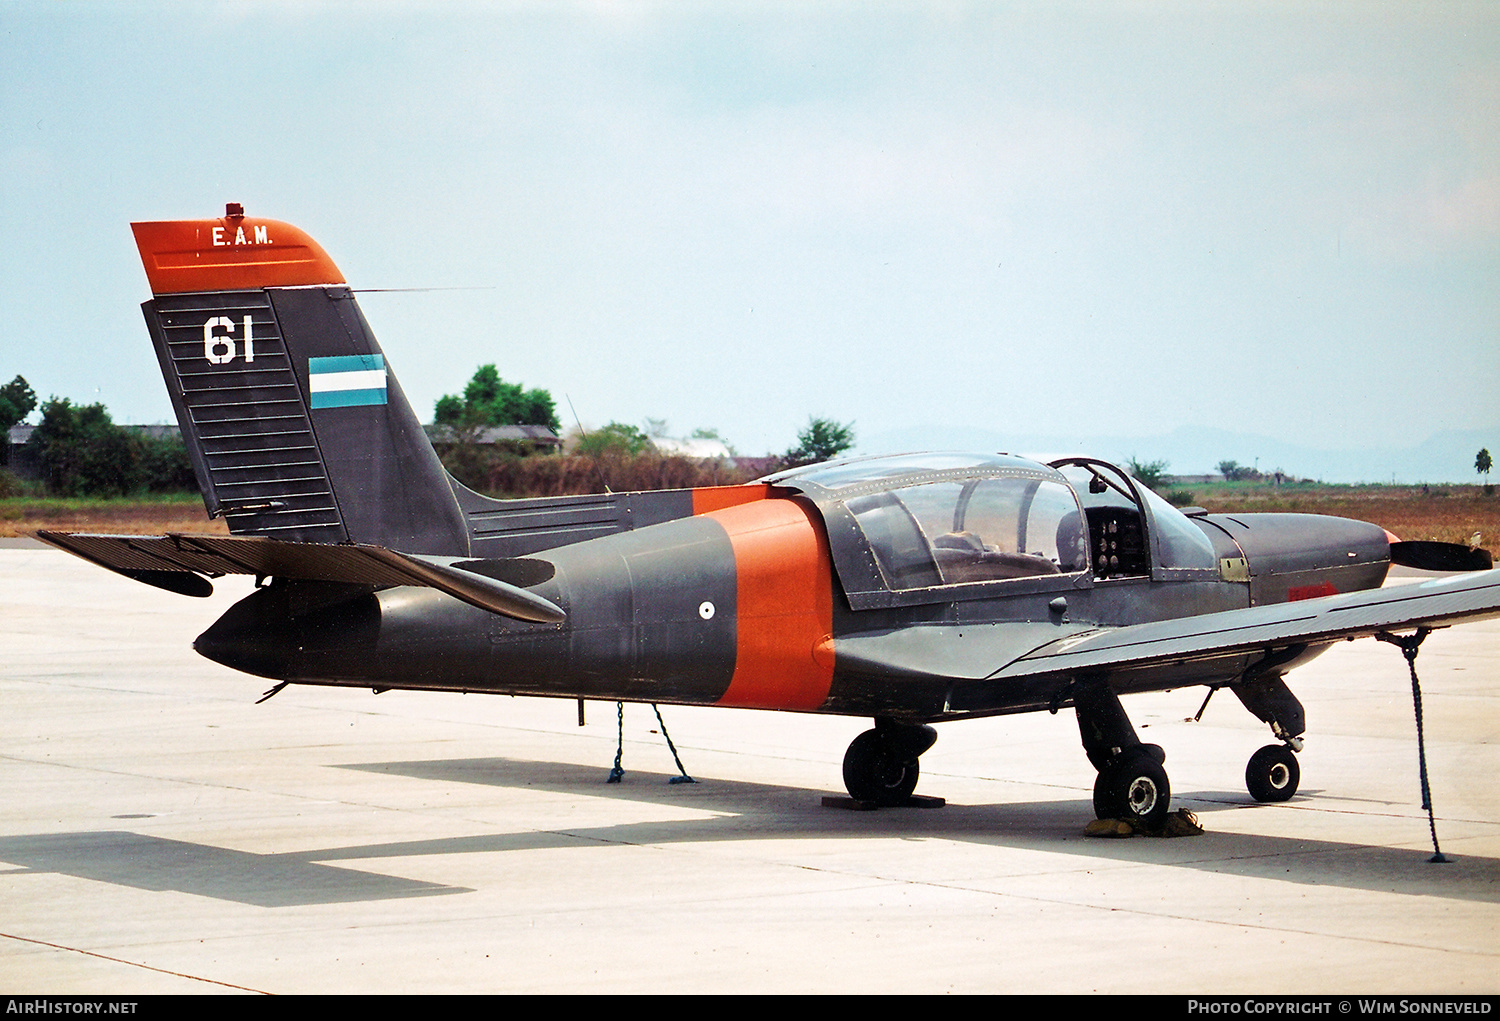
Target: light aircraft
[{"x": 914, "y": 589}]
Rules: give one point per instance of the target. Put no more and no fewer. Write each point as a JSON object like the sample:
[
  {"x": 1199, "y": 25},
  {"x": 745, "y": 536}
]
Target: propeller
[{"x": 1441, "y": 556}]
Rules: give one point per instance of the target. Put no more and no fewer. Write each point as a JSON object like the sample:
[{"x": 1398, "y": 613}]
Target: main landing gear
[
  {"x": 880, "y": 767},
  {"x": 1132, "y": 785}
]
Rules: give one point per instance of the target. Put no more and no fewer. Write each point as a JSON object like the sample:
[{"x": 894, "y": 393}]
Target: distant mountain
[{"x": 1444, "y": 457}]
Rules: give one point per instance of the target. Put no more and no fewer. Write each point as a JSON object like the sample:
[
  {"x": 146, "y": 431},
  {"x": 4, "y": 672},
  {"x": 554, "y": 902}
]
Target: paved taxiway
[{"x": 161, "y": 833}]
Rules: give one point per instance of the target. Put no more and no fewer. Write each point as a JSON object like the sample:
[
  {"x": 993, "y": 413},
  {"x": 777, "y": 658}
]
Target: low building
[{"x": 695, "y": 448}]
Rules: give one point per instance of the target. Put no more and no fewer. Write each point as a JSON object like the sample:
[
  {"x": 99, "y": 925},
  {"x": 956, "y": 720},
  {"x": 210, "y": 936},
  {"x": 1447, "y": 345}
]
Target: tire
[
  {"x": 875, "y": 774},
  {"x": 1134, "y": 788},
  {"x": 1273, "y": 774}
]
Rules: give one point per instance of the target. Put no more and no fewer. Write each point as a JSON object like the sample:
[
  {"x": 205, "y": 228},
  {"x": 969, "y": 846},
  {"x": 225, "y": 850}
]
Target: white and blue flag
[{"x": 346, "y": 381}]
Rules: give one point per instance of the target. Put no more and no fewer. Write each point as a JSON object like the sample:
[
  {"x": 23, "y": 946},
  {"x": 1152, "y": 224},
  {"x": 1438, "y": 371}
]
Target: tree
[
  {"x": 16, "y": 402},
  {"x": 490, "y": 400},
  {"x": 1483, "y": 464},
  {"x": 83, "y": 453},
  {"x": 1150, "y": 474},
  {"x": 616, "y": 438},
  {"x": 1233, "y": 471},
  {"x": 822, "y": 440},
  {"x": 165, "y": 465}
]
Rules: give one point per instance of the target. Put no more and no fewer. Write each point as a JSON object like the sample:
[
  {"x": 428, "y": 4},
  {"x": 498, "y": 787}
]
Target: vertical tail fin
[{"x": 295, "y": 425}]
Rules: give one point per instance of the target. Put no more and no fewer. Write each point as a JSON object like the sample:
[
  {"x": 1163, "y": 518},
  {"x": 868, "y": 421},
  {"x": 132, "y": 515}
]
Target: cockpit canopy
[{"x": 915, "y": 528}]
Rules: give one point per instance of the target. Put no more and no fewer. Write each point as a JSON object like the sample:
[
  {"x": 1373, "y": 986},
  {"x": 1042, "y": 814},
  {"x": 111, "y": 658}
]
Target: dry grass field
[
  {"x": 1447, "y": 513},
  {"x": 24, "y": 516}
]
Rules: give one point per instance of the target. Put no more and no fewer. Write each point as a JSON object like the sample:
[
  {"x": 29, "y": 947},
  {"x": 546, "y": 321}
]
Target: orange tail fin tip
[{"x": 231, "y": 253}]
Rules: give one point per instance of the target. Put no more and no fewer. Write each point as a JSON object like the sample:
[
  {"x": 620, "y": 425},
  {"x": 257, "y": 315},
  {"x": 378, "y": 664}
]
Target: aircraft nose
[{"x": 1301, "y": 556}]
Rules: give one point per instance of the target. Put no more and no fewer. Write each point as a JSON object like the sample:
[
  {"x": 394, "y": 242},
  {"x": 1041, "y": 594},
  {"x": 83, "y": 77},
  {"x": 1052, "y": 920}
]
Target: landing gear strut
[
  {"x": 1132, "y": 784},
  {"x": 880, "y": 767}
]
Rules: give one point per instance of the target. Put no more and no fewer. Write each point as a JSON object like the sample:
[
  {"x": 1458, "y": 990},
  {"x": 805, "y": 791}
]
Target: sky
[{"x": 934, "y": 220}]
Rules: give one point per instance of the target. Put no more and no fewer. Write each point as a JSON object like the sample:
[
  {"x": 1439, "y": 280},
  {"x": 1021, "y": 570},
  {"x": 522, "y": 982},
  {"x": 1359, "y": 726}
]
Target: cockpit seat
[
  {"x": 959, "y": 541},
  {"x": 963, "y": 556}
]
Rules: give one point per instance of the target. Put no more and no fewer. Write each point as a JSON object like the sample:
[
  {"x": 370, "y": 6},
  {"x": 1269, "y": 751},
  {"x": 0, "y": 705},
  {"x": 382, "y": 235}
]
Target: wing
[
  {"x": 1014, "y": 666},
  {"x": 1435, "y": 603},
  {"x": 183, "y": 563}
]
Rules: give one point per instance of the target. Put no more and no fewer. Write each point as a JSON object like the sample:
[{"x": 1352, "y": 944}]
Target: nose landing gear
[{"x": 1273, "y": 774}]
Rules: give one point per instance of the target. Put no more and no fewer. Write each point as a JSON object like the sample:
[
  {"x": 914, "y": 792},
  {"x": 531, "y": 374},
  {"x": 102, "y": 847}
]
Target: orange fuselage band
[{"x": 784, "y": 594}]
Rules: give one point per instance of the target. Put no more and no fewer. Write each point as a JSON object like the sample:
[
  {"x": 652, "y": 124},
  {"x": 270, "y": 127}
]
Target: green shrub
[
  {"x": 165, "y": 467},
  {"x": 81, "y": 452}
]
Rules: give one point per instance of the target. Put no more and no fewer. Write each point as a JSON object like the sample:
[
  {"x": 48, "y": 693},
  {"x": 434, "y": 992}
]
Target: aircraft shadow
[
  {"x": 748, "y": 811},
  {"x": 740, "y": 812},
  {"x": 153, "y": 863}
]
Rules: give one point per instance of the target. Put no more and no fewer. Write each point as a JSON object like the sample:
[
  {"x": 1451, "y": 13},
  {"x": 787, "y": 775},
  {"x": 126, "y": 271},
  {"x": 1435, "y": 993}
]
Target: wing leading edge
[
  {"x": 1015, "y": 665},
  {"x": 1434, "y": 603}
]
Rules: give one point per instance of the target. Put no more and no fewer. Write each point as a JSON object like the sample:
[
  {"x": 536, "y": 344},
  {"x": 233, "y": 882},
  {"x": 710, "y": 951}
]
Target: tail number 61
[{"x": 219, "y": 348}]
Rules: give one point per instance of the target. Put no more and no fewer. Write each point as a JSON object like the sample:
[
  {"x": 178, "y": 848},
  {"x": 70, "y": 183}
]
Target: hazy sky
[{"x": 1026, "y": 217}]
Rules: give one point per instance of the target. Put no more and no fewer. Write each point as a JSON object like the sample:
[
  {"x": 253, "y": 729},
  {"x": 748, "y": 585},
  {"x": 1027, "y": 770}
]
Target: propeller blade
[{"x": 1440, "y": 556}]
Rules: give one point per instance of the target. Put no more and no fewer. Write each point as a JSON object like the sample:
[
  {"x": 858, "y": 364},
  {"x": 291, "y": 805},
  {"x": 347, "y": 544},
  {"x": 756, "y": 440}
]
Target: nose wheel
[{"x": 1273, "y": 774}]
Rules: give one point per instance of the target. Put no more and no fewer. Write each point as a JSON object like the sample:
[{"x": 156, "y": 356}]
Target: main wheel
[
  {"x": 1273, "y": 774},
  {"x": 1133, "y": 788},
  {"x": 875, "y": 773}
]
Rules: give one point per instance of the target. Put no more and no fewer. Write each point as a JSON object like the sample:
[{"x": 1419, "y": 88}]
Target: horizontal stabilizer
[{"x": 170, "y": 561}]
